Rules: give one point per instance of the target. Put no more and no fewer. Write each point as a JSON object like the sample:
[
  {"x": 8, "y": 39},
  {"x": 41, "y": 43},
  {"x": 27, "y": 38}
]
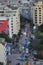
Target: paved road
[
  {"x": 22, "y": 40},
  {"x": 13, "y": 57},
  {"x": 13, "y": 60},
  {"x": 28, "y": 32}
]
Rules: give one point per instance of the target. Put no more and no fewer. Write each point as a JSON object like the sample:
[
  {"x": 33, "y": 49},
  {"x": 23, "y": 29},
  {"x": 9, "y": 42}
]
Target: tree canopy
[
  {"x": 22, "y": 21},
  {"x": 7, "y": 38},
  {"x": 40, "y": 47},
  {"x": 40, "y": 28}
]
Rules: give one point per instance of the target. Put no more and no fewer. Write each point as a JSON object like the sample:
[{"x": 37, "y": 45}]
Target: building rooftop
[
  {"x": 12, "y": 7},
  {"x": 2, "y": 40}
]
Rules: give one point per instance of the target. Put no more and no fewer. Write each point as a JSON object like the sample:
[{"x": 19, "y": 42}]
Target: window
[
  {"x": 35, "y": 11},
  {"x": 39, "y": 15},
  {"x": 39, "y": 8},
  {"x": 1, "y": 11},
  {"x": 12, "y": 29},
  {"x": 35, "y": 14},
  {"x": 12, "y": 26},
  {"x": 14, "y": 15},
  {"x": 35, "y": 19},
  {"x": 2, "y": 14},
  {"x": 39, "y": 19},
  {"x": 39, "y": 22},
  {"x": 36, "y": 8},
  {"x": 39, "y": 11},
  {"x": 11, "y": 23},
  {"x": 35, "y": 22}
]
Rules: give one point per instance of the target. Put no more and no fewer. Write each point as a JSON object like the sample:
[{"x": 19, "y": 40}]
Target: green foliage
[
  {"x": 23, "y": 24},
  {"x": 40, "y": 56},
  {"x": 31, "y": 23},
  {"x": 39, "y": 34},
  {"x": 19, "y": 32},
  {"x": 40, "y": 28},
  {"x": 23, "y": 21},
  {"x": 17, "y": 40},
  {"x": 40, "y": 47},
  {"x": 30, "y": 47},
  {"x": 41, "y": 42},
  {"x": 7, "y": 39}
]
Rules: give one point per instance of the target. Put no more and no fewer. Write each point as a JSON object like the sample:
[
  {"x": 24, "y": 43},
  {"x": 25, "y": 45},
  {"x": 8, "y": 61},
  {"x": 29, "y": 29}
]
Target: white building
[
  {"x": 3, "y": 57},
  {"x": 37, "y": 13},
  {"x": 11, "y": 13}
]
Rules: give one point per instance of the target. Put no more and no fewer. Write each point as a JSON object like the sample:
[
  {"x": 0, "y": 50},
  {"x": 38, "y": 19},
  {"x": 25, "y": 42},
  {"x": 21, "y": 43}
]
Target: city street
[
  {"x": 13, "y": 58},
  {"x": 16, "y": 58},
  {"x": 21, "y": 32}
]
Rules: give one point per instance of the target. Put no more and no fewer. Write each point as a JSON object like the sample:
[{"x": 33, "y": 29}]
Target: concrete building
[
  {"x": 3, "y": 57},
  {"x": 37, "y": 13},
  {"x": 11, "y": 15}
]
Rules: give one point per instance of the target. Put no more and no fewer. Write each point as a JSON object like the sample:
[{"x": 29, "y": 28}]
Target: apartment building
[
  {"x": 3, "y": 57},
  {"x": 10, "y": 19},
  {"x": 37, "y": 13}
]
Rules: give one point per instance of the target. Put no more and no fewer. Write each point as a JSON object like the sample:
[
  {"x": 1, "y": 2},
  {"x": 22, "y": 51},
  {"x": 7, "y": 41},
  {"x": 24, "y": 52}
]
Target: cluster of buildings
[
  {"x": 9, "y": 19},
  {"x": 33, "y": 9},
  {"x": 10, "y": 15}
]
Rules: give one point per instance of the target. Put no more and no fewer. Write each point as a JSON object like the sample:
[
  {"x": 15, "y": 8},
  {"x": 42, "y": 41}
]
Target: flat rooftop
[
  {"x": 2, "y": 40},
  {"x": 12, "y": 7}
]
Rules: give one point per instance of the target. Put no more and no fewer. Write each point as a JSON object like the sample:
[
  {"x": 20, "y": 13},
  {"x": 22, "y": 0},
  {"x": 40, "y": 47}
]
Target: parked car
[{"x": 35, "y": 59}]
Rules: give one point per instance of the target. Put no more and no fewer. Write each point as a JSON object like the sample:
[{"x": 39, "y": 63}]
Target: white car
[{"x": 27, "y": 51}]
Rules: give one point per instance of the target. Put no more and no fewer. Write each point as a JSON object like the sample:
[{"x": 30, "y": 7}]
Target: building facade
[
  {"x": 37, "y": 13},
  {"x": 3, "y": 57},
  {"x": 10, "y": 20}
]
